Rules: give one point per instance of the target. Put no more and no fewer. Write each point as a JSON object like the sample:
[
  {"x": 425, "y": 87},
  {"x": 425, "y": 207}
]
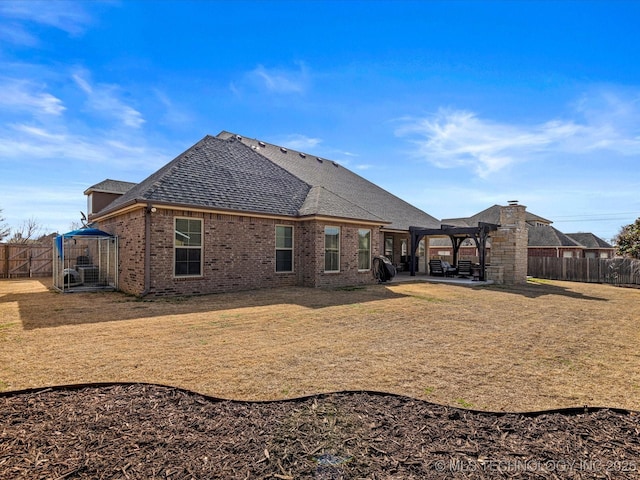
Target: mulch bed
[{"x": 128, "y": 431}]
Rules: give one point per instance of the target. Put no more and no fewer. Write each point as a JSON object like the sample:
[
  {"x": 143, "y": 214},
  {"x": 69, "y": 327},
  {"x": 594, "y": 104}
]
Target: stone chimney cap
[{"x": 512, "y": 202}]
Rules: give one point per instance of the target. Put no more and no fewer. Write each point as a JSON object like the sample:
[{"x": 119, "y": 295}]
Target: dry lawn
[{"x": 539, "y": 346}]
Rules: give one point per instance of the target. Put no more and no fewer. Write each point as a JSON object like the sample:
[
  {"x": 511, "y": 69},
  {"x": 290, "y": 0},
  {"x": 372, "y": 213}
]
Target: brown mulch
[{"x": 142, "y": 431}]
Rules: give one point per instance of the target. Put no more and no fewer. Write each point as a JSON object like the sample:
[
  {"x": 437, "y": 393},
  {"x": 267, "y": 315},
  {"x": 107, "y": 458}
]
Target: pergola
[{"x": 457, "y": 236}]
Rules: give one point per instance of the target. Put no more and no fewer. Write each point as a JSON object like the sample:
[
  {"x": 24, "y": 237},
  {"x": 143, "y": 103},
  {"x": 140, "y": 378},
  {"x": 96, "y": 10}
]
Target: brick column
[{"x": 509, "y": 244}]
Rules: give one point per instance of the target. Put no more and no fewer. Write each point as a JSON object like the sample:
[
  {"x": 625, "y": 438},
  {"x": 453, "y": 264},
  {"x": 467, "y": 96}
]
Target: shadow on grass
[
  {"x": 535, "y": 288},
  {"x": 44, "y": 308}
]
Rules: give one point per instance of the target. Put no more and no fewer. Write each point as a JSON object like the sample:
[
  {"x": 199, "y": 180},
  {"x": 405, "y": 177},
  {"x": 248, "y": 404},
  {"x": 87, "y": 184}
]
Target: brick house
[
  {"x": 232, "y": 213},
  {"x": 543, "y": 239}
]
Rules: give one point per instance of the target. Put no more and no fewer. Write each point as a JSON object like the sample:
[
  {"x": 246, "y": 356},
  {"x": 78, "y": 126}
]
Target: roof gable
[
  {"x": 547, "y": 236},
  {"x": 221, "y": 174},
  {"x": 589, "y": 240},
  {"x": 321, "y": 201},
  {"x": 490, "y": 215},
  {"x": 110, "y": 186},
  {"x": 342, "y": 183}
]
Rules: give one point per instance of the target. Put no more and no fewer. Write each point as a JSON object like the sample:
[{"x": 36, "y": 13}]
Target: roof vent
[
  {"x": 254, "y": 147},
  {"x": 303, "y": 155},
  {"x": 512, "y": 203},
  {"x": 238, "y": 137},
  {"x": 262, "y": 144},
  {"x": 335, "y": 164},
  {"x": 319, "y": 159},
  {"x": 283, "y": 150}
]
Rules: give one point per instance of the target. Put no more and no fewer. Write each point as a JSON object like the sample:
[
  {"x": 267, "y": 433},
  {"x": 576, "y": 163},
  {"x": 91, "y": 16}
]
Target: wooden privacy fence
[
  {"x": 617, "y": 271},
  {"x": 23, "y": 260}
]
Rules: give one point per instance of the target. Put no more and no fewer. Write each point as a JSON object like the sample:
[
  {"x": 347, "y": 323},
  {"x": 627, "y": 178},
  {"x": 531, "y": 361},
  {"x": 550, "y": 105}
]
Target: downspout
[{"x": 147, "y": 249}]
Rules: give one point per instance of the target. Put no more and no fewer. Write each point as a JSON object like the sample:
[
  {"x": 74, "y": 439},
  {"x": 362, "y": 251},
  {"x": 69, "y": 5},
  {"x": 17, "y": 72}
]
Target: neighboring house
[
  {"x": 594, "y": 246},
  {"x": 232, "y": 213},
  {"x": 544, "y": 240}
]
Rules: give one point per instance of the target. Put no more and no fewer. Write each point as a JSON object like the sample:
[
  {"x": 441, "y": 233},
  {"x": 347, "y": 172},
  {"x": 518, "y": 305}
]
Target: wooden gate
[{"x": 20, "y": 260}]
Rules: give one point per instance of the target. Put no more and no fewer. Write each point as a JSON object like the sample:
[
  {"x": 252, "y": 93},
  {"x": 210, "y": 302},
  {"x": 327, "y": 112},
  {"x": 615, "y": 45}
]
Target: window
[
  {"x": 388, "y": 248},
  {"x": 188, "y": 247},
  {"x": 421, "y": 252},
  {"x": 331, "y": 249},
  {"x": 284, "y": 248},
  {"x": 364, "y": 249}
]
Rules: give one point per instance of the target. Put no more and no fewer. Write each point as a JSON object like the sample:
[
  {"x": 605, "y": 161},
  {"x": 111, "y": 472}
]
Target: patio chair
[
  {"x": 464, "y": 268},
  {"x": 438, "y": 268},
  {"x": 449, "y": 270},
  {"x": 435, "y": 268}
]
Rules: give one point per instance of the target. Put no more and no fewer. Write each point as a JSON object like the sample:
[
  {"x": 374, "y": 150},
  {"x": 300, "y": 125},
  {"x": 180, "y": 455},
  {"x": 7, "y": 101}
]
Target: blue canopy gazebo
[{"x": 85, "y": 260}]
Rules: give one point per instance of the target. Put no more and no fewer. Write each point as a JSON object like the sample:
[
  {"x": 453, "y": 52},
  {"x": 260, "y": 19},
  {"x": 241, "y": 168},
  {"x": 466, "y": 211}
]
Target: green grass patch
[{"x": 463, "y": 403}]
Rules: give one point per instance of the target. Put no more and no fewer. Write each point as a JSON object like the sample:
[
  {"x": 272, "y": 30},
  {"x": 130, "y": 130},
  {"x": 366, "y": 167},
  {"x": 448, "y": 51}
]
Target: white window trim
[
  {"x": 325, "y": 247},
  {"x": 201, "y": 247},
  {"x": 370, "y": 234},
  {"x": 275, "y": 266}
]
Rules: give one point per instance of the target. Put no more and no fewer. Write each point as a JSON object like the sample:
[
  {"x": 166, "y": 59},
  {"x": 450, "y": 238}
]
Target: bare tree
[
  {"x": 5, "y": 231},
  {"x": 27, "y": 232}
]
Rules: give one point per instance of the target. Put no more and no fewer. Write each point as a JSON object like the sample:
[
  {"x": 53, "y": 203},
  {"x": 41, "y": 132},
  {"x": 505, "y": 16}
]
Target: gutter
[{"x": 147, "y": 249}]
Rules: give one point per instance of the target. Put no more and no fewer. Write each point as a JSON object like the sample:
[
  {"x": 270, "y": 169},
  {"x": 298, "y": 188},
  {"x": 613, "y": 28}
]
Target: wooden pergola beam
[{"x": 457, "y": 236}]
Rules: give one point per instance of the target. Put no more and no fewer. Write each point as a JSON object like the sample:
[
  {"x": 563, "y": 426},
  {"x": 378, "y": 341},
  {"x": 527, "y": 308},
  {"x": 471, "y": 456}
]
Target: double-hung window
[
  {"x": 364, "y": 249},
  {"x": 284, "y": 248},
  {"x": 188, "y": 247},
  {"x": 331, "y": 249}
]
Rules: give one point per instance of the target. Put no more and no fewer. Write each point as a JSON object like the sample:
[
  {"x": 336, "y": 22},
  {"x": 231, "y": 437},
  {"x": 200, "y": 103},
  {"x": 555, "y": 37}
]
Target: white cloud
[
  {"x": 458, "y": 138},
  {"x": 23, "y": 141},
  {"x": 173, "y": 115},
  {"x": 16, "y": 34},
  {"x": 299, "y": 142},
  {"x": 103, "y": 99},
  {"x": 68, "y": 16},
  {"x": 275, "y": 80},
  {"x": 24, "y": 95}
]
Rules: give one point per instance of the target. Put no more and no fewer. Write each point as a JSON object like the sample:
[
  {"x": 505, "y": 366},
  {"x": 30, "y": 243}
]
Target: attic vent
[
  {"x": 303, "y": 155},
  {"x": 262, "y": 144},
  {"x": 283, "y": 150},
  {"x": 238, "y": 137},
  {"x": 319, "y": 159}
]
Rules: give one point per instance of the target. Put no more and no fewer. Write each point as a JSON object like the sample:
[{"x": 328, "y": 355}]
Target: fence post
[{"x": 6, "y": 260}]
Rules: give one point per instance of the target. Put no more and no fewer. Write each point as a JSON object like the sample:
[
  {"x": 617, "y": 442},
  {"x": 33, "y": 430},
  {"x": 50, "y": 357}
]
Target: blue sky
[{"x": 452, "y": 106}]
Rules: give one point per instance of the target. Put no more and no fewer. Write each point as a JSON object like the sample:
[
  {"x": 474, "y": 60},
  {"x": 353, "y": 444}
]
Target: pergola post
[{"x": 457, "y": 236}]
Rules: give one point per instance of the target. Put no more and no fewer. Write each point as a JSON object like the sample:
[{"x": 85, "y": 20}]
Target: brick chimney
[{"x": 509, "y": 254}]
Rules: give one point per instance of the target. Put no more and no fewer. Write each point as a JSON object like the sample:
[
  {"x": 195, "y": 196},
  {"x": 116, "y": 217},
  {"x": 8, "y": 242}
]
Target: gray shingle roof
[
  {"x": 110, "y": 186},
  {"x": 547, "y": 236},
  {"x": 321, "y": 201},
  {"x": 489, "y": 215},
  {"x": 358, "y": 196},
  {"x": 221, "y": 174},
  {"x": 229, "y": 172},
  {"x": 589, "y": 240}
]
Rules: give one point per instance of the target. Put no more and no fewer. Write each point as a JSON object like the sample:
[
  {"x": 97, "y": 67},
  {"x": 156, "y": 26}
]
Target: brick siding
[{"x": 238, "y": 253}]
